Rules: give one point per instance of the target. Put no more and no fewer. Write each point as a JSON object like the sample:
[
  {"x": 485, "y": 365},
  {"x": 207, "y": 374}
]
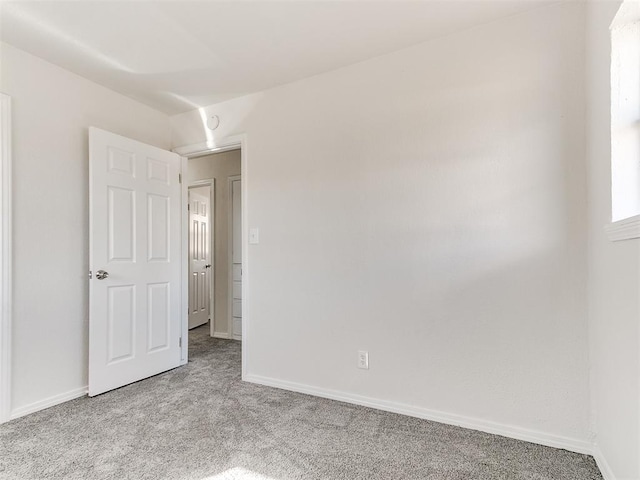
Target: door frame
[
  {"x": 230, "y": 180},
  {"x": 201, "y": 149},
  {"x": 211, "y": 183},
  {"x": 5, "y": 258}
]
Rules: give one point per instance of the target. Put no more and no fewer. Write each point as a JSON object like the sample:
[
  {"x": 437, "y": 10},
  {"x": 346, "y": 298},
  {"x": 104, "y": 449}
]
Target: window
[{"x": 625, "y": 121}]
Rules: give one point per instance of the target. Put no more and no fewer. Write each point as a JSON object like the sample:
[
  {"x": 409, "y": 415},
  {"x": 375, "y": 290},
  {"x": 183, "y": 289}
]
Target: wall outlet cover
[{"x": 363, "y": 359}]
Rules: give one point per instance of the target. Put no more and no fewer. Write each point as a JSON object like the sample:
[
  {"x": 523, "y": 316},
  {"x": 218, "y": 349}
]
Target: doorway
[
  {"x": 220, "y": 172},
  {"x": 150, "y": 338},
  {"x": 201, "y": 206}
]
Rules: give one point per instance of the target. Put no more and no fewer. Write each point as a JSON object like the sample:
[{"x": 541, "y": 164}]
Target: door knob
[
  {"x": 101, "y": 274},
  {"x": 207, "y": 266}
]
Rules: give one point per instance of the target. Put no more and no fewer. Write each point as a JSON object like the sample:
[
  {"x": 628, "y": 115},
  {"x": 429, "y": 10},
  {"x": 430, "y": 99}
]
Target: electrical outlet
[{"x": 363, "y": 359}]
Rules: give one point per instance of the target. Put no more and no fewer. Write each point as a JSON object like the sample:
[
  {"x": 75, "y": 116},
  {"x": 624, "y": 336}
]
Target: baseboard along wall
[
  {"x": 518, "y": 433},
  {"x": 605, "y": 468},
  {"x": 48, "y": 402}
]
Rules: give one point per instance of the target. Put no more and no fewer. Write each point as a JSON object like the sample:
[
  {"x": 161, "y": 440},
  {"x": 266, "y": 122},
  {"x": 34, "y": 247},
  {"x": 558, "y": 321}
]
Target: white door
[
  {"x": 236, "y": 256},
  {"x": 136, "y": 308},
  {"x": 199, "y": 256}
]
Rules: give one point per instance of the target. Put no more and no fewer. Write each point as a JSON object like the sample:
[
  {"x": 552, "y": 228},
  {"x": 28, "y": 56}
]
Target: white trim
[
  {"x": 519, "y": 433},
  {"x": 184, "y": 236},
  {"x": 603, "y": 465},
  {"x": 224, "y": 335},
  {"x": 211, "y": 183},
  {"x": 625, "y": 229},
  {"x": 49, "y": 402},
  {"x": 230, "y": 180},
  {"x": 5, "y": 258},
  {"x": 244, "y": 169},
  {"x": 205, "y": 148},
  {"x": 232, "y": 143}
]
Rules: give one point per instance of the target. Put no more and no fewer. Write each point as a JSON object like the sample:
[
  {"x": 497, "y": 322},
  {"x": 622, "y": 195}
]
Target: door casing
[
  {"x": 230, "y": 263},
  {"x": 233, "y": 142}
]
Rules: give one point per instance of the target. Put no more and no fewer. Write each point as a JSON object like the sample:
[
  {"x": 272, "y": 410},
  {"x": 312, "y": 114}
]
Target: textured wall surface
[
  {"x": 52, "y": 110},
  {"x": 428, "y": 206},
  {"x": 614, "y": 275}
]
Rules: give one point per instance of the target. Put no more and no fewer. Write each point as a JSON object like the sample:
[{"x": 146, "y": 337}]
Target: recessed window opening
[{"x": 625, "y": 112}]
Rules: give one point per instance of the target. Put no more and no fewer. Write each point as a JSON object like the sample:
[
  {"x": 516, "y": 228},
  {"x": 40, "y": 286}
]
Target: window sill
[{"x": 625, "y": 229}]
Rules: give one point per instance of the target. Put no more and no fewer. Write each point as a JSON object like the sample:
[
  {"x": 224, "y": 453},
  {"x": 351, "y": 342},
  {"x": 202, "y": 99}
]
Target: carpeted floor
[{"x": 201, "y": 422}]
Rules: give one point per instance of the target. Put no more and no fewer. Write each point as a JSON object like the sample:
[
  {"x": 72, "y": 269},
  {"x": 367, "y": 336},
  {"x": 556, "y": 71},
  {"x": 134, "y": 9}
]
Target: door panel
[
  {"x": 135, "y": 220},
  {"x": 121, "y": 228},
  {"x": 158, "y": 296},
  {"x": 199, "y": 256},
  {"x": 121, "y": 317},
  {"x": 159, "y": 228},
  {"x": 237, "y": 309}
]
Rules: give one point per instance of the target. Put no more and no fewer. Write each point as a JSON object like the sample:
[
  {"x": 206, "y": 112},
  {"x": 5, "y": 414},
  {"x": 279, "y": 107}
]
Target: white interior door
[
  {"x": 236, "y": 256},
  {"x": 135, "y": 259},
  {"x": 199, "y": 256}
]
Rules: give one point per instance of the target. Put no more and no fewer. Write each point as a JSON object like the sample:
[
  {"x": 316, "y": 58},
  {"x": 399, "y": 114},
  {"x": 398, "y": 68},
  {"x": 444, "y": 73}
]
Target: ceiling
[{"x": 179, "y": 55}]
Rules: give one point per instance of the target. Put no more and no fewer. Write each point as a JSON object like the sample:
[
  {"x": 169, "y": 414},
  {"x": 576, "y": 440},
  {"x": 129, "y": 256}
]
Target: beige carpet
[{"x": 201, "y": 422}]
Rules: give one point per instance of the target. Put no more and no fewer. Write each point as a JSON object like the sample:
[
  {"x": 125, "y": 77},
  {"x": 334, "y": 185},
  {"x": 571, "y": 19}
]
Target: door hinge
[
  {"x": 179, "y": 178},
  {"x": 90, "y": 274},
  {"x": 188, "y": 207},
  {"x": 180, "y": 342}
]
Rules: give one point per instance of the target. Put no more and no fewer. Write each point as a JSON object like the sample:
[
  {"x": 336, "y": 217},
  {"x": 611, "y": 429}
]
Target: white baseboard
[
  {"x": 519, "y": 433},
  {"x": 224, "y": 335},
  {"x": 603, "y": 465},
  {"x": 533, "y": 436},
  {"x": 48, "y": 402}
]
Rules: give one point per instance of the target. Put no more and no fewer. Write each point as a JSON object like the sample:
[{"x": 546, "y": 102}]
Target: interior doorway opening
[
  {"x": 215, "y": 245},
  {"x": 201, "y": 208}
]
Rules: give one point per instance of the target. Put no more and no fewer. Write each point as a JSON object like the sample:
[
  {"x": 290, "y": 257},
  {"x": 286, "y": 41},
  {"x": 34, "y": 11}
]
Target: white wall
[
  {"x": 52, "y": 110},
  {"x": 219, "y": 166},
  {"x": 428, "y": 206},
  {"x": 614, "y": 275}
]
